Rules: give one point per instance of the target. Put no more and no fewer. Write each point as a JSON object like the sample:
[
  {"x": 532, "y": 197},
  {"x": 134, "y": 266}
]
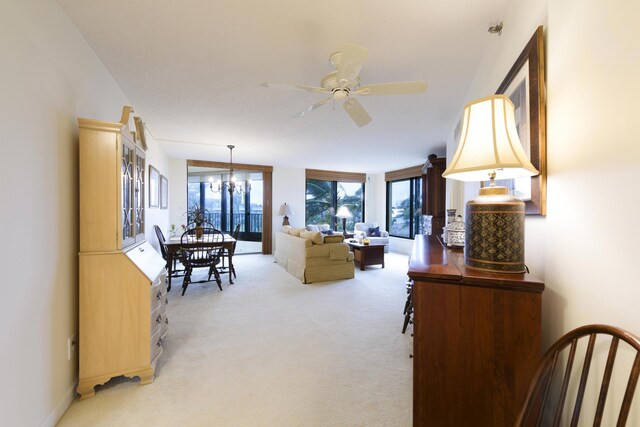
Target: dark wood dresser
[{"x": 476, "y": 339}]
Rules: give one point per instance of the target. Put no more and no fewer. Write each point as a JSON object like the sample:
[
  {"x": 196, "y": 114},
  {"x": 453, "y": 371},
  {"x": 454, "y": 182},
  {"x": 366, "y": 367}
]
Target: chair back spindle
[
  {"x": 539, "y": 397},
  {"x": 201, "y": 248}
]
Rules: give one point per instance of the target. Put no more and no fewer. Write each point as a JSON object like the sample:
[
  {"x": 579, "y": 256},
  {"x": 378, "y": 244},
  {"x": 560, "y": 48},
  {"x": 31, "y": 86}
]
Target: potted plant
[{"x": 197, "y": 215}]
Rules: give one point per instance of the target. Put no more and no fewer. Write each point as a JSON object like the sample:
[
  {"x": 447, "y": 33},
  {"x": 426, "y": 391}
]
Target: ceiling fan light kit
[{"x": 344, "y": 84}]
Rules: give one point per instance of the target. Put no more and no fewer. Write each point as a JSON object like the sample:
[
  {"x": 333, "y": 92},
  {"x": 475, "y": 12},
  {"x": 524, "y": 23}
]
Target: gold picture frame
[{"x": 525, "y": 86}]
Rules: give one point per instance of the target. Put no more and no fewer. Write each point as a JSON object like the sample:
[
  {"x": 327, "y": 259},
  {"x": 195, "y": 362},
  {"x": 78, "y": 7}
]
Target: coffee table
[{"x": 367, "y": 254}]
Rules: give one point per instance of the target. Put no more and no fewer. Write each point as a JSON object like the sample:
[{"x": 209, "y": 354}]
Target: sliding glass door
[{"x": 229, "y": 204}]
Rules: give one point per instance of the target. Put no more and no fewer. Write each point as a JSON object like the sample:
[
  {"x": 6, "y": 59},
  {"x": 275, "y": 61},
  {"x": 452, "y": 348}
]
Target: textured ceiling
[{"x": 192, "y": 70}]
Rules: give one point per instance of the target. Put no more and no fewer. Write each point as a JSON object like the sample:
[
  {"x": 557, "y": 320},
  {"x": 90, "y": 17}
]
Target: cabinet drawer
[
  {"x": 164, "y": 326},
  {"x": 157, "y": 320},
  {"x": 156, "y": 343},
  {"x": 164, "y": 302},
  {"x": 157, "y": 296}
]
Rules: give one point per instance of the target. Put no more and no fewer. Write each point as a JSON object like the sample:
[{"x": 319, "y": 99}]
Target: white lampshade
[
  {"x": 285, "y": 210},
  {"x": 343, "y": 212},
  {"x": 489, "y": 143}
]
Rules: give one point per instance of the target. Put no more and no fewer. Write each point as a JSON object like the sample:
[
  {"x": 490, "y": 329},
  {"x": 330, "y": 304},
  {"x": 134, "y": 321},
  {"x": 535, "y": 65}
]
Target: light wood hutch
[{"x": 122, "y": 293}]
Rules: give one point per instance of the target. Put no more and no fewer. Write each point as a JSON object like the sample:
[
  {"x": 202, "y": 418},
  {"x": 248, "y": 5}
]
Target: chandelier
[{"x": 232, "y": 186}]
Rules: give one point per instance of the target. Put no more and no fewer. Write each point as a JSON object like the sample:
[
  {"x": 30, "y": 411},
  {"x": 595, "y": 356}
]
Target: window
[
  {"x": 210, "y": 189},
  {"x": 324, "y": 198},
  {"x": 404, "y": 207}
]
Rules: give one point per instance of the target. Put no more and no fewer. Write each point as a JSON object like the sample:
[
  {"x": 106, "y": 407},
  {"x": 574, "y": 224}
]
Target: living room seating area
[
  {"x": 313, "y": 257},
  {"x": 371, "y": 231}
]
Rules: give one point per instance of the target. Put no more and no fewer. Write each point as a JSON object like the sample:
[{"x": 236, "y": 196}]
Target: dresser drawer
[
  {"x": 156, "y": 343},
  {"x": 157, "y": 296},
  {"x": 164, "y": 302},
  {"x": 157, "y": 320},
  {"x": 164, "y": 326}
]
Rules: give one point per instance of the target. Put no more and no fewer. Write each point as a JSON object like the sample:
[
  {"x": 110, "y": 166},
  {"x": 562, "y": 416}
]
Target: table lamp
[
  {"x": 490, "y": 148},
  {"x": 285, "y": 210},
  {"x": 343, "y": 212}
]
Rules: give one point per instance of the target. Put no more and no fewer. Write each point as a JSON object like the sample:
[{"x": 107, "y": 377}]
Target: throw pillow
[
  {"x": 336, "y": 238},
  {"x": 296, "y": 231},
  {"x": 327, "y": 232},
  {"x": 315, "y": 236},
  {"x": 374, "y": 232},
  {"x": 323, "y": 227},
  {"x": 312, "y": 228}
]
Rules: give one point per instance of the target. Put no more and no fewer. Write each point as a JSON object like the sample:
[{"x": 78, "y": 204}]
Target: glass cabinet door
[
  {"x": 127, "y": 181},
  {"x": 138, "y": 195}
]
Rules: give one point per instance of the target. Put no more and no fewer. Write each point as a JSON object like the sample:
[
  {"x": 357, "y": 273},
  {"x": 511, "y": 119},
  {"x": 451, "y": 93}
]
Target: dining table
[{"x": 174, "y": 244}]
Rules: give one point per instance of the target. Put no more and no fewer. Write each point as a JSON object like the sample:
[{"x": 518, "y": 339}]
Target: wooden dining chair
[
  {"x": 408, "y": 306},
  {"x": 230, "y": 252},
  {"x": 162, "y": 243},
  {"x": 204, "y": 224},
  {"x": 201, "y": 252},
  {"x": 548, "y": 396},
  {"x": 163, "y": 251}
]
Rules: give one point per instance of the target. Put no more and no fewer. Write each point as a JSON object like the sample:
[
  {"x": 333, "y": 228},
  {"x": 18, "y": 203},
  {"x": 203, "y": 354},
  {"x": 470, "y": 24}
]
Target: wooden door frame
[{"x": 267, "y": 193}]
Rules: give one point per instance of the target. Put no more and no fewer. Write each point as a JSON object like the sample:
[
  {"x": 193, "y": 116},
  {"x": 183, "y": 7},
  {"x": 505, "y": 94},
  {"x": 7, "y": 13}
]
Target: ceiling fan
[{"x": 344, "y": 83}]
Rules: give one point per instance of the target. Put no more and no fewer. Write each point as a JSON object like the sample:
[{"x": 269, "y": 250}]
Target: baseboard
[{"x": 57, "y": 412}]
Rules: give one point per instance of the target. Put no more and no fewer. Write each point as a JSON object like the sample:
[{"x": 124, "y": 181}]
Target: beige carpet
[{"x": 270, "y": 351}]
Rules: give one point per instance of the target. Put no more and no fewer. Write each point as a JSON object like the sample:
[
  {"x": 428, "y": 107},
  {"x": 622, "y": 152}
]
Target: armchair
[{"x": 362, "y": 229}]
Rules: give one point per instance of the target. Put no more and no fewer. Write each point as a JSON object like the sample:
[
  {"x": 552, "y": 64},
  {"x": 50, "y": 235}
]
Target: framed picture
[
  {"x": 525, "y": 86},
  {"x": 164, "y": 192},
  {"x": 154, "y": 187}
]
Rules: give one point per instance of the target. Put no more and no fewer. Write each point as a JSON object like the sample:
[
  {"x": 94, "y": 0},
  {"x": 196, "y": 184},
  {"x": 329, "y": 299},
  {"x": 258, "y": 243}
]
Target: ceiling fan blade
[
  {"x": 290, "y": 86},
  {"x": 400, "y": 88},
  {"x": 357, "y": 112},
  {"x": 312, "y": 107},
  {"x": 351, "y": 59}
]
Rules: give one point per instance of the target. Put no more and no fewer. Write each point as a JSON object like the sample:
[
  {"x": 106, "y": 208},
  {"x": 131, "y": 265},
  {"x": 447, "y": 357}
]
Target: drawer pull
[
  {"x": 159, "y": 318},
  {"x": 160, "y": 342},
  {"x": 166, "y": 320},
  {"x": 166, "y": 301},
  {"x": 159, "y": 295},
  {"x": 410, "y": 356}
]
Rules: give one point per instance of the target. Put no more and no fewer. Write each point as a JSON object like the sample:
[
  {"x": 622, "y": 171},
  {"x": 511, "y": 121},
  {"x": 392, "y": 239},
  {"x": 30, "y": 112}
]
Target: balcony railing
[{"x": 249, "y": 222}]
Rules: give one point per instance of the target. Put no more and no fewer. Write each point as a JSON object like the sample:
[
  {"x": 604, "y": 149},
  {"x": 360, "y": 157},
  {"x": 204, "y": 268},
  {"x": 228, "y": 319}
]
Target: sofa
[
  {"x": 323, "y": 228},
  {"x": 362, "y": 229},
  {"x": 313, "y": 257}
]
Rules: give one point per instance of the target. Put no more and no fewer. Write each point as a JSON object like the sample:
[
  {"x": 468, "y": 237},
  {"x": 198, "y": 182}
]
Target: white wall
[
  {"x": 177, "y": 192},
  {"x": 289, "y": 186},
  {"x": 579, "y": 249},
  {"x": 49, "y": 77},
  {"x": 157, "y": 158}
]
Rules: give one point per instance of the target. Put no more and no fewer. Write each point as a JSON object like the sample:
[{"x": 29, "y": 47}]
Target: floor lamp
[{"x": 343, "y": 213}]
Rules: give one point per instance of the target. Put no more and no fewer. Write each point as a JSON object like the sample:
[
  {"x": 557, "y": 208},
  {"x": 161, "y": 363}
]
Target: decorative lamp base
[
  {"x": 494, "y": 235},
  {"x": 285, "y": 221}
]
